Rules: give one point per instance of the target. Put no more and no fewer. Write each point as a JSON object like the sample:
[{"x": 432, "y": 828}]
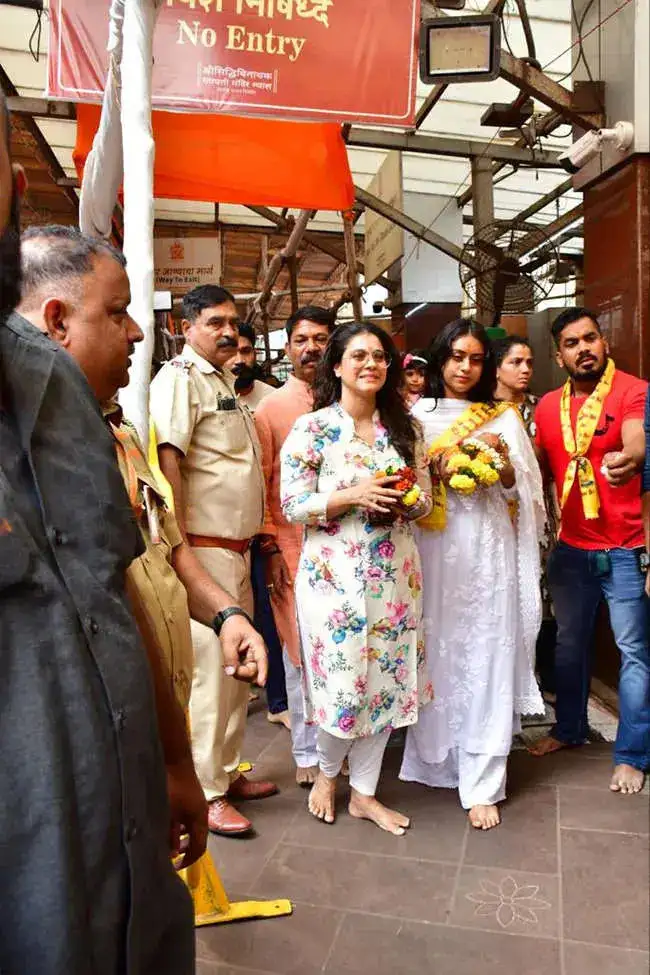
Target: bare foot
[
  {"x": 627, "y": 780},
  {"x": 321, "y": 799},
  {"x": 484, "y": 817},
  {"x": 545, "y": 746},
  {"x": 305, "y": 777},
  {"x": 283, "y": 718},
  {"x": 367, "y": 807}
]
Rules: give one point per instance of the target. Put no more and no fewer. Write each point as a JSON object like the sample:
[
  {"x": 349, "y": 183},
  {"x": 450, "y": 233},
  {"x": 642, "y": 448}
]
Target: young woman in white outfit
[{"x": 481, "y": 585}]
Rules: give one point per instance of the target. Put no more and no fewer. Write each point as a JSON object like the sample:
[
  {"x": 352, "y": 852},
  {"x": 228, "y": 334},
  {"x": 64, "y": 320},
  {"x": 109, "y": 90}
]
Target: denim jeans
[
  {"x": 578, "y": 584},
  {"x": 276, "y": 691}
]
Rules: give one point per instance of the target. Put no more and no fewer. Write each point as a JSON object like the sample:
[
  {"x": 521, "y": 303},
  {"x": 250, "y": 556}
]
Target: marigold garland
[
  {"x": 407, "y": 484},
  {"x": 473, "y": 464}
]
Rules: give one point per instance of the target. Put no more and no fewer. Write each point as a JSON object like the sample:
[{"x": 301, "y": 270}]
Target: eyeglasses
[{"x": 360, "y": 357}]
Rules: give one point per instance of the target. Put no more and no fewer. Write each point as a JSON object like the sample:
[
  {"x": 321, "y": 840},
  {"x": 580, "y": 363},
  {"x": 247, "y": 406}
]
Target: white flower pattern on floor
[{"x": 508, "y": 902}]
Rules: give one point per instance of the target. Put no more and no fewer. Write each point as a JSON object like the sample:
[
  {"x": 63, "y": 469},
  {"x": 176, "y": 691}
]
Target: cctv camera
[{"x": 588, "y": 147}]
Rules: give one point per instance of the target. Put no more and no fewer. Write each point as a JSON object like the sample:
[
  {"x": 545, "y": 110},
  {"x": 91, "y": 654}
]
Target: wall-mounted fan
[{"x": 510, "y": 268}]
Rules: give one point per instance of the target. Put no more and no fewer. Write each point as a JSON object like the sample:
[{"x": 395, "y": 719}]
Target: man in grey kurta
[{"x": 86, "y": 884}]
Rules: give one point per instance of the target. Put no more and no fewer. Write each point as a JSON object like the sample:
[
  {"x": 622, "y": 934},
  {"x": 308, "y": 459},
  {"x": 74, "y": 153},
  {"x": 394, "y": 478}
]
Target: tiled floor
[{"x": 560, "y": 888}]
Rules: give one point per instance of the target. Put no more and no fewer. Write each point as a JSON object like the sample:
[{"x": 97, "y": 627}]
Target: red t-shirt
[{"x": 619, "y": 522}]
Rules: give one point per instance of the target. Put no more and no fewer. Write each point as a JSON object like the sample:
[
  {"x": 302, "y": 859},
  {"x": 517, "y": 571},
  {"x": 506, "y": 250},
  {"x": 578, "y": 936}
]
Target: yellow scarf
[
  {"x": 468, "y": 422},
  {"x": 577, "y": 445}
]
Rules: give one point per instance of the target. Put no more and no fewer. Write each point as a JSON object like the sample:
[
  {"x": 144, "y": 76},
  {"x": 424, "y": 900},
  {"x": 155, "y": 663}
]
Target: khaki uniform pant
[{"x": 218, "y": 704}]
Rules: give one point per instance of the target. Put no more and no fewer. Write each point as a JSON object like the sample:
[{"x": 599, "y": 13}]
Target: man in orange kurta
[{"x": 308, "y": 332}]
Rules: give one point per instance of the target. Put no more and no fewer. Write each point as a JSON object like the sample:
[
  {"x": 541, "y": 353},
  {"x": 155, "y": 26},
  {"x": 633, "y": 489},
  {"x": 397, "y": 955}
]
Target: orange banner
[
  {"x": 240, "y": 160},
  {"x": 336, "y": 60}
]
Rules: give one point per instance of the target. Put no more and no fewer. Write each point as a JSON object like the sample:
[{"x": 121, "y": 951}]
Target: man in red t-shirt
[{"x": 599, "y": 554}]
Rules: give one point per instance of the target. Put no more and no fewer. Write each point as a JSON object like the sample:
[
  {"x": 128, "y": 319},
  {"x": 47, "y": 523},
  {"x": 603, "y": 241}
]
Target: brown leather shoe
[
  {"x": 243, "y": 788},
  {"x": 225, "y": 820}
]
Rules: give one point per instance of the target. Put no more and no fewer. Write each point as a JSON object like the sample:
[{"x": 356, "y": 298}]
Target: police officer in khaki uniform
[
  {"x": 167, "y": 567},
  {"x": 210, "y": 454}
]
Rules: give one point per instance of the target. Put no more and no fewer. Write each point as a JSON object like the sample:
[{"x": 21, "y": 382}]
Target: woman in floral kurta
[{"x": 358, "y": 588}]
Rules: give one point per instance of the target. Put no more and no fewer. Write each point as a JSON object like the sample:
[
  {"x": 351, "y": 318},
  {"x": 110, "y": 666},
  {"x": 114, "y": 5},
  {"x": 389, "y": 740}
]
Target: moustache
[
  {"x": 226, "y": 344},
  {"x": 586, "y": 358},
  {"x": 310, "y": 357}
]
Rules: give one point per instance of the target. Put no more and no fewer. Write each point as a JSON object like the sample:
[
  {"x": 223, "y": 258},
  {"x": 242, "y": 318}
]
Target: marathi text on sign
[
  {"x": 323, "y": 60},
  {"x": 185, "y": 262}
]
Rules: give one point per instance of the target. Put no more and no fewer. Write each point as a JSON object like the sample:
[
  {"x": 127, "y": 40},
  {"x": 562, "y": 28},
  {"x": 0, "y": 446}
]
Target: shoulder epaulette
[{"x": 183, "y": 364}]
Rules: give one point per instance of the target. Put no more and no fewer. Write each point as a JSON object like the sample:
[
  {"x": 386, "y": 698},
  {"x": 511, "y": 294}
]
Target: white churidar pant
[
  {"x": 364, "y": 756},
  {"x": 303, "y": 736}
]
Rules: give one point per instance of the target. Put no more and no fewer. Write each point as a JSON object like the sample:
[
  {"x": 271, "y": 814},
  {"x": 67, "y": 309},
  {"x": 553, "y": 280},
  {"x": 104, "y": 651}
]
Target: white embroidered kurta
[
  {"x": 482, "y": 606},
  {"x": 358, "y": 587}
]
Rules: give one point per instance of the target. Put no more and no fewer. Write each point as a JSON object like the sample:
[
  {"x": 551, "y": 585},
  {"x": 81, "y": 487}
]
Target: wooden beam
[
  {"x": 435, "y": 145},
  {"x": 310, "y": 237},
  {"x": 544, "y": 201},
  {"x": 263, "y": 265},
  {"x": 52, "y": 164},
  {"x": 351, "y": 261},
  {"x": 338, "y": 253},
  {"x": 565, "y": 220},
  {"x": 292, "y": 264},
  {"x": 268, "y": 214},
  {"x": 277, "y": 263},
  {"x": 41, "y": 108},
  {"x": 546, "y": 125},
  {"x": 407, "y": 223},
  {"x": 429, "y": 104},
  {"x": 538, "y": 85}
]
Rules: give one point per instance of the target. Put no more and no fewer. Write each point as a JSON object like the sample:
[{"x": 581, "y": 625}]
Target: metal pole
[
  {"x": 351, "y": 260},
  {"x": 483, "y": 194}
]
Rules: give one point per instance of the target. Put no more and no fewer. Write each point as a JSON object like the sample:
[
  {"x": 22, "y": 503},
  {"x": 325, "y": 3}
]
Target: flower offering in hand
[
  {"x": 473, "y": 464},
  {"x": 407, "y": 484}
]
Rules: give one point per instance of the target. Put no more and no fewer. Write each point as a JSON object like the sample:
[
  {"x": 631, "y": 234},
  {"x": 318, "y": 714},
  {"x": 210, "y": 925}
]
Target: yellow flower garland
[
  {"x": 577, "y": 445},
  {"x": 474, "y": 417}
]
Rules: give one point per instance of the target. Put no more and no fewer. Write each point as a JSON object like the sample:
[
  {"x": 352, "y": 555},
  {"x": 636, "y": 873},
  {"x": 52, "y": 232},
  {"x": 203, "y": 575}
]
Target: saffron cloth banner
[{"x": 324, "y": 60}]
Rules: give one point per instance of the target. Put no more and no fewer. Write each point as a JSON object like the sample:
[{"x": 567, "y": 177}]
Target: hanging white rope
[
  {"x": 139, "y": 151},
  {"x": 123, "y": 153},
  {"x": 104, "y": 166}
]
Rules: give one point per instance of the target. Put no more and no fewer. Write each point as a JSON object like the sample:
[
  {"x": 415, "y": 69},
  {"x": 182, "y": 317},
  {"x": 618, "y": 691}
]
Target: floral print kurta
[{"x": 359, "y": 585}]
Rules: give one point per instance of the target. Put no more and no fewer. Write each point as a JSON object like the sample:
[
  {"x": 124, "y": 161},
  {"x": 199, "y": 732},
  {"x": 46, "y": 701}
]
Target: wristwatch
[
  {"x": 225, "y": 614},
  {"x": 644, "y": 561}
]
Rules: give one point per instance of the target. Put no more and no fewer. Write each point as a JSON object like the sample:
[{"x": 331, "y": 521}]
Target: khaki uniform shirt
[
  {"x": 195, "y": 409},
  {"x": 253, "y": 399},
  {"x": 161, "y": 591}
]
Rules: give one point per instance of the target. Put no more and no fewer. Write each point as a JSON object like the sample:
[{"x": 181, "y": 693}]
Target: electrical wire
[
  {"x": 452, "y": 199},
  {"x": 577, "y": 43},
  {"x": 585, "y": 36},
  {"x": 37, "y": 33},
  {"x": 579, "y": 24},
  {"x": 504, "y": 30}
]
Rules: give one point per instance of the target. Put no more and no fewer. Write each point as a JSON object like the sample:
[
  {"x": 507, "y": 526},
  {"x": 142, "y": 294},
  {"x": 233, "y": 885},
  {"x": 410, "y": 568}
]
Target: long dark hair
[
  {"x": 441, "y": 349},
  {"x": 399, "y": 424}
]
